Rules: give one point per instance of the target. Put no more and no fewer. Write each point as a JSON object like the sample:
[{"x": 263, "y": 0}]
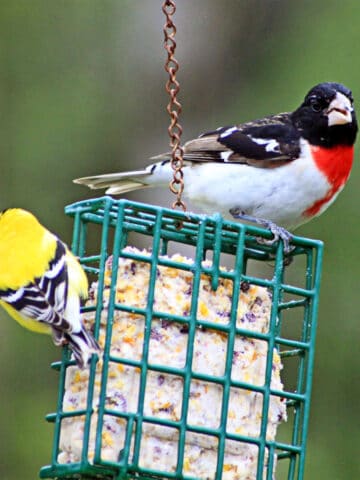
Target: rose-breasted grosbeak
[{"x": 283, "y": 169}]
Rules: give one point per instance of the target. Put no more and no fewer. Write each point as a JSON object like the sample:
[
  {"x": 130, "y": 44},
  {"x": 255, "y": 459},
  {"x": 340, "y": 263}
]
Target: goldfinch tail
[{"x": 83, "y": 345}]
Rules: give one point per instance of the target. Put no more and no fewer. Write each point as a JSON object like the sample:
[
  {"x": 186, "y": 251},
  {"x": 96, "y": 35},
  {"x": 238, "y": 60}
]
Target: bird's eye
[{"x": 315, "y": 105}]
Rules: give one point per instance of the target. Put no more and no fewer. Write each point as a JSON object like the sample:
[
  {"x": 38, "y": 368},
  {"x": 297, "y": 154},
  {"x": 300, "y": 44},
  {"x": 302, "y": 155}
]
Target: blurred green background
[{"x": 82, "y": 92}]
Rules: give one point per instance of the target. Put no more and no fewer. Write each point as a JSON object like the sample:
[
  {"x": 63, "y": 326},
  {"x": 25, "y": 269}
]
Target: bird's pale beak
[{"x": 339, "y": 111}]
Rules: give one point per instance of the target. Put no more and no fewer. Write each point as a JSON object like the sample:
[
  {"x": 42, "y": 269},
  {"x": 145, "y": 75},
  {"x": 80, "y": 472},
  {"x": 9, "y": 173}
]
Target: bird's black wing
[
  {"x": 268, "y": 142},
  {"x": 45, "y": 298}
]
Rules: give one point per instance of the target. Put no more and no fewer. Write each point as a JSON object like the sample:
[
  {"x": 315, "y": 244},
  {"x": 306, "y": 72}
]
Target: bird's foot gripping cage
[{"x": 189, "y": 383}]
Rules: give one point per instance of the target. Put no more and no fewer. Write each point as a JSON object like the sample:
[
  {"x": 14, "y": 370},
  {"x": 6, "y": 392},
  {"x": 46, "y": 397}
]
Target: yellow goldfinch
[{"x": 41, "y": 283}]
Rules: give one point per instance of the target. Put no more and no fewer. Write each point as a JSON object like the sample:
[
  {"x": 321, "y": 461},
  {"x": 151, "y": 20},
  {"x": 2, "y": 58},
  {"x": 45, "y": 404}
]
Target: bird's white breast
[{"x": 278, "y": 194}]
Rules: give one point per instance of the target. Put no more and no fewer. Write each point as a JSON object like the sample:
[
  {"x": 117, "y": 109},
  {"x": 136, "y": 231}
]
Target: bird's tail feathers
[
  {"x": 124, "y": 187},
  {"x": 162, "y": 158},
  {"x": 117, "y": 183},
  {"x": 83, "y": 345}
]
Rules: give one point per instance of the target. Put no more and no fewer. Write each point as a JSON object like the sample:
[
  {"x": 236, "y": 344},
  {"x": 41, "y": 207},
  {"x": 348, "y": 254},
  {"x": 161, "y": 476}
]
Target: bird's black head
[{"x": 327, "y": 117}]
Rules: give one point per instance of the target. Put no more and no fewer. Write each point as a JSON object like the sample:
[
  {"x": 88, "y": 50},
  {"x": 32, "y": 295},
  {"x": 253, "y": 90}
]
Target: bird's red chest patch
[{"x": 335, "y": 163}]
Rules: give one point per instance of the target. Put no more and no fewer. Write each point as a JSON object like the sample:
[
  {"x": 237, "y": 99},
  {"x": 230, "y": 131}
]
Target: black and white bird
[{"x": 279, "y": 171}]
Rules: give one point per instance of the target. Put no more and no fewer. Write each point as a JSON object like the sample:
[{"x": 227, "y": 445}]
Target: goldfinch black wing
[{"x": 44, "y": 300}]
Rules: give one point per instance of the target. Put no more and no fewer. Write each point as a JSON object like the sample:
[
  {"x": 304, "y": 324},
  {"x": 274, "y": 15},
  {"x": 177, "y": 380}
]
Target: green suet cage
[{"x": 104, "y": 229}]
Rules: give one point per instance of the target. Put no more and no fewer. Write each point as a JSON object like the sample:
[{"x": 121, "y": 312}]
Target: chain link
[{"x": 174, "y": 106}]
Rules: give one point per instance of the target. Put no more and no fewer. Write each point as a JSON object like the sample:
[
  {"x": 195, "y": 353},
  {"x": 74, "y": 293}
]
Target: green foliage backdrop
[{"x": 81, "y": 92}]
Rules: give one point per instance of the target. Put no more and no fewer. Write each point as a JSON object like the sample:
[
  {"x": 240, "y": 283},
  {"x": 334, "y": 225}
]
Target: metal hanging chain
[{"x": 174, "y": 106}]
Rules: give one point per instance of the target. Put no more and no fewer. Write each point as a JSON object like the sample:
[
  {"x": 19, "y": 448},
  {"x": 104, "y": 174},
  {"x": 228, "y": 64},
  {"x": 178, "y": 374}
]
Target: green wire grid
[{"x": 292, "y": 331}]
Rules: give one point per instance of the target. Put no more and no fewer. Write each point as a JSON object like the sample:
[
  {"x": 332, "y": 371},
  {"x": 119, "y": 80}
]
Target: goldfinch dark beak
[{"x": 339, "y": 111}]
